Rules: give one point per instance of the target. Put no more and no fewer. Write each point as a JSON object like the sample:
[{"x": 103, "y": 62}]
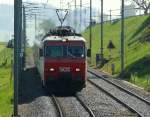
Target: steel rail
[
  {"x": 85, "y": 106},
  {"x": 120, "y": 87},
  {"x": 58, "y": 107},
  {"x": 115, "y": 98}
]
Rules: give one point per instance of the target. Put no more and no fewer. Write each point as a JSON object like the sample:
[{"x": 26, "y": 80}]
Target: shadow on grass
[
  {"x": 139, "y": 30},
  {"x": 141, "y": 68}
]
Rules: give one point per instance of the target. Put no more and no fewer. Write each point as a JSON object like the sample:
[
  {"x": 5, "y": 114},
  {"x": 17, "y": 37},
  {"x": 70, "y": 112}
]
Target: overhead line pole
[
  {"x": 20, "y": 40},
  {"x": 110, "y": 15},
  {"x": 122, "y": 37},
  {"x": 17, "y": 50},
  {"x": 80, "y": 15},
  {"x": 24, "y": 35},
  {"x": 75, "y": 15},
  {"x": 102, "y": 29},
  {"x": 91, "y": 25},
  {"x": 35, "y": 18},
  {"x": 68, "y": 19},
  {"x": 16, "y": 37}
]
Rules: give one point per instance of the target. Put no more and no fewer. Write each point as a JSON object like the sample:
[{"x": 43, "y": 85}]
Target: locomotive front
[
  {"x": 65, "y": 62},
  {"x": 60, "y": 58}
]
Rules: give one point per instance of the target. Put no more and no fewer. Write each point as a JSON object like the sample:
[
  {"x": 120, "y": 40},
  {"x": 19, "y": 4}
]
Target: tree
[
  {"x": 46, "y": 25},
  {"x": 144, "y": 4}
]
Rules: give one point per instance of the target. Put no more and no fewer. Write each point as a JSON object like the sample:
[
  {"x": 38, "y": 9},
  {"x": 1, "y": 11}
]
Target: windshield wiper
[{"x": 71, "y": 55}]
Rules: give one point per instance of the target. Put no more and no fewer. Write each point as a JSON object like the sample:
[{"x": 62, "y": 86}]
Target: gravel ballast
[
  {"x": 42, "y": 107},
  {"x": 133, "y": 102},
  {"x": 127, "y": 85},
  {"x": 33, "y": 100},
  {"x": 102, "y": 105},
  {"x": 72, "y": 107},
  {"x": 133, "y": 88}
]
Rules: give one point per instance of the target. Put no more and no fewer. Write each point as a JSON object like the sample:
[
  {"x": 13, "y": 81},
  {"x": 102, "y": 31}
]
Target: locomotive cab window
[
  {"x": 76, "y": 51},
  {"x": 53, "y": 51},
  {"x": 64, "y": 51}
]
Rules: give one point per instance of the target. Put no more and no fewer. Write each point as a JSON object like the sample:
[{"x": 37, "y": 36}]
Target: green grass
[
  {"x": 29, "y": 51},
  {"x": 2, "y": 45},
  {"x": 137, "y": 47},
  {"x": 6, "y": 87}
]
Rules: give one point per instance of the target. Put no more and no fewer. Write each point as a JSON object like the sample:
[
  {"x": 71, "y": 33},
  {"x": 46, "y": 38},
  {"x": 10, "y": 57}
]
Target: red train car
[{"x": 60, "y": 58}]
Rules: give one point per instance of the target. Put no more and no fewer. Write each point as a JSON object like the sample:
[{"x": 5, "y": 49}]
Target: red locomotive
[{"x": 60, "y": 58}]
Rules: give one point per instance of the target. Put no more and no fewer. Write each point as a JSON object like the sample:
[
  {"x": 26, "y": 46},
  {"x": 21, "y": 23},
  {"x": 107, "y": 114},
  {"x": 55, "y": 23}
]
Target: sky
[{"x": 108, "y": 4}]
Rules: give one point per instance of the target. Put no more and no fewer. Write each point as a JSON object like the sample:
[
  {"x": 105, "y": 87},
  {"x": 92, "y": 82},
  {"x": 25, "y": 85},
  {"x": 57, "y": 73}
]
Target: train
[{"x": 60, "y": 58}]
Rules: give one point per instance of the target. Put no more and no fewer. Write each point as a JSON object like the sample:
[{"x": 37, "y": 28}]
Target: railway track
[
  {"x": 58, "y": 107},
  {"x": 121, "y": 89},
  {"x": 85, "y": 106},
  {"x": 61, "y": 111}
]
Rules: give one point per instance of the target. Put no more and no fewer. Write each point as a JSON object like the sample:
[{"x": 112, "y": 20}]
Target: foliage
[{"x": 144, "y": 4}]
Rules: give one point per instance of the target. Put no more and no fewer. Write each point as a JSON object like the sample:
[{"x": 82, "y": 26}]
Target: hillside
[{"x": 137, "y": 48}]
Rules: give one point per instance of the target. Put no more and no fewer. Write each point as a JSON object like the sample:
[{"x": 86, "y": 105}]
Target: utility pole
[
  {"x": 75, "y": 15},
  {"x": 20, "y": 41},
  {"x": 122, "y": 37},
  {"x": 85, "y": 19},
  {"x": 69, "y": 17},
  {"x": 102, "y": 29},
  {"x": 17, "y": 50},
  {"x": 110, "y": 15},
  {"x": 35, "y": 18},
  {"x": 80, "y": 15},
  {"x": 24, "y": 36},
  {"x": 91, "y": 25}
]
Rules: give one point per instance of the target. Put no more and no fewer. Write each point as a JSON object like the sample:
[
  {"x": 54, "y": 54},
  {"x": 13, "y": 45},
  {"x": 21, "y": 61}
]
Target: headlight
[
  {"x": 51, "y": 69},
  {"x": 77, "y": 69}
]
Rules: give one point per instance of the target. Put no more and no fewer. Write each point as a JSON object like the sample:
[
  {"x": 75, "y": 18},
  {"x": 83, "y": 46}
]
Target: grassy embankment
[
  {"x": 6, "y": 87},
  {"x": 137, "y": 48}
]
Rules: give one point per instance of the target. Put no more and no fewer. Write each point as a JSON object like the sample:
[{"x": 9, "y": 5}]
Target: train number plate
[{"x": 64, "y": 69}]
